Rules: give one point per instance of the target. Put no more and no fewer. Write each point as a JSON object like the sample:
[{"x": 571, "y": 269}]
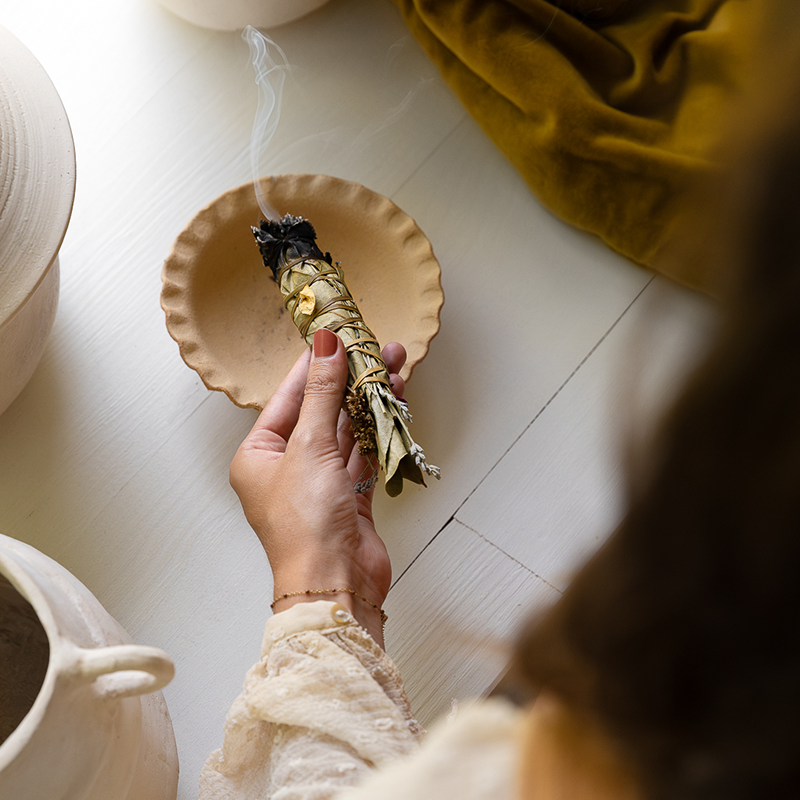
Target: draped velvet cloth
[{"x": 611, "y": 110}]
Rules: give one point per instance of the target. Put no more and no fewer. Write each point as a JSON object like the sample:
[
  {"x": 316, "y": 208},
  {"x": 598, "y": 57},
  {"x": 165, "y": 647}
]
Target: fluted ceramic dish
[{"x": 226, "y": 313}]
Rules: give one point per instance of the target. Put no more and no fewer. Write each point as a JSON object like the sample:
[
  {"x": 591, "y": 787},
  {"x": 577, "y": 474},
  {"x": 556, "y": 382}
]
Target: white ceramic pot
[
  {"x": 234, "y": 15},
  {"x": 79, "y": 702},
  {"x": 37, "y": 188}
]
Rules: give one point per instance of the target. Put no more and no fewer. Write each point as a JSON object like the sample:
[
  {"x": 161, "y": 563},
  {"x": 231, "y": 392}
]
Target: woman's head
[{"x": 681, "y": 636}]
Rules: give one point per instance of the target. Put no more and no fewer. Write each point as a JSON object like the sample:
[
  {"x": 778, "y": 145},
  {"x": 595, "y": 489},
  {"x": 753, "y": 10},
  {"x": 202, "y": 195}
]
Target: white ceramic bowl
[
  {"x": 81, "y": 712},
  {"x": 234, "y": 15},
  {"x": 37, "y": 189}
]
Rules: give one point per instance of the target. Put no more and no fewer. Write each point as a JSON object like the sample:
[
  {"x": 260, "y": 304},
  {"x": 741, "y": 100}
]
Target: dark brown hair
[{"x": 682, "y": 635}]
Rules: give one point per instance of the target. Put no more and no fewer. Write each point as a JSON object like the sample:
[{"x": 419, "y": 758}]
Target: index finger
[{"x": 280, "y": 414}]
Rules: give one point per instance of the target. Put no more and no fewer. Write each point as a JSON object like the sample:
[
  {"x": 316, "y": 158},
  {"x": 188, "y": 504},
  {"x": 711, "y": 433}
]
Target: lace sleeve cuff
[{"x": 322, "y": 706}]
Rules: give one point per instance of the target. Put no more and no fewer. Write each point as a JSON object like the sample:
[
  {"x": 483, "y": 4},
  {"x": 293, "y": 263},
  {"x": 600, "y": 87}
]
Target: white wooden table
[{"x": 114, "y": 459}]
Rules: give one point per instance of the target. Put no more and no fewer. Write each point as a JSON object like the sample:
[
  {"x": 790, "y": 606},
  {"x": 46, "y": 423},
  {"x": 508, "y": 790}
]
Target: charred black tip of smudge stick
[{"x": 285, "y": 239}]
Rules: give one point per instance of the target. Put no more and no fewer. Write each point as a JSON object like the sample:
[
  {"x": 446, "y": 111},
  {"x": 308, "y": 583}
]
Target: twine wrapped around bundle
[{"x": 315, "y": 294}]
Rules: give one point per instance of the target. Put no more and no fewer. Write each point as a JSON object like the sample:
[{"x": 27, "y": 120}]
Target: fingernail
[{"x": 325, "y": 343}]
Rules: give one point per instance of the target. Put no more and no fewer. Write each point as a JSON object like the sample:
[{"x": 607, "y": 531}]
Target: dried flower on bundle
[{"x": 315, "y": 294}]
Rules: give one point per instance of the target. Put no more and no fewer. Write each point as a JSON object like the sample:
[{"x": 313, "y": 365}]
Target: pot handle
[{"x": 149, "y": 669}]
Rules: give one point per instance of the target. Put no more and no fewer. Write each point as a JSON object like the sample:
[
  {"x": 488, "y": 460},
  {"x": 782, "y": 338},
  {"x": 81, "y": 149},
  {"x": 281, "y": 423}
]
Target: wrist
[
  {"x": 310, "y": 567},
  {"x": 322, "y": 575}
]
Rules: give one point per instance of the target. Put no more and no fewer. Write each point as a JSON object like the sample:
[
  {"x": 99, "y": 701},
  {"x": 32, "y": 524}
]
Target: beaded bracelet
[{"x": 384, "y": 618}]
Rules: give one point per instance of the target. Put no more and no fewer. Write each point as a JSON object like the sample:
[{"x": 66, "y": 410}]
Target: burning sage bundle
[{"x": 315, "y": 294}]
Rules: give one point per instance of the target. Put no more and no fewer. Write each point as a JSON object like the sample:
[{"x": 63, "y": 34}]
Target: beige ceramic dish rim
[{"x": 175, "y": 301}]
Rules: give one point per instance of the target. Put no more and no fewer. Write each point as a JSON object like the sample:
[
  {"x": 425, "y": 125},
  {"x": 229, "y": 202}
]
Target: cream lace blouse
[{"x": 324, "y": 714}]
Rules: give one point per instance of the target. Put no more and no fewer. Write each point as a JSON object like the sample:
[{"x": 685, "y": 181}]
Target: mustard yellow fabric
[{"x": 611, "y": 110}]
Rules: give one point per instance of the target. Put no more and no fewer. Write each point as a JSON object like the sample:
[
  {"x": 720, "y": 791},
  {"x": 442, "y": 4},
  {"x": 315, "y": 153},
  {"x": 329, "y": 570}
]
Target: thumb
[{"x": 324, "y": 393}]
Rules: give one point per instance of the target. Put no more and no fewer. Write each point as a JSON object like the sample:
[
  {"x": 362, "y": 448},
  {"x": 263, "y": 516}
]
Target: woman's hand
[{"x": 294, "y": 475}]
